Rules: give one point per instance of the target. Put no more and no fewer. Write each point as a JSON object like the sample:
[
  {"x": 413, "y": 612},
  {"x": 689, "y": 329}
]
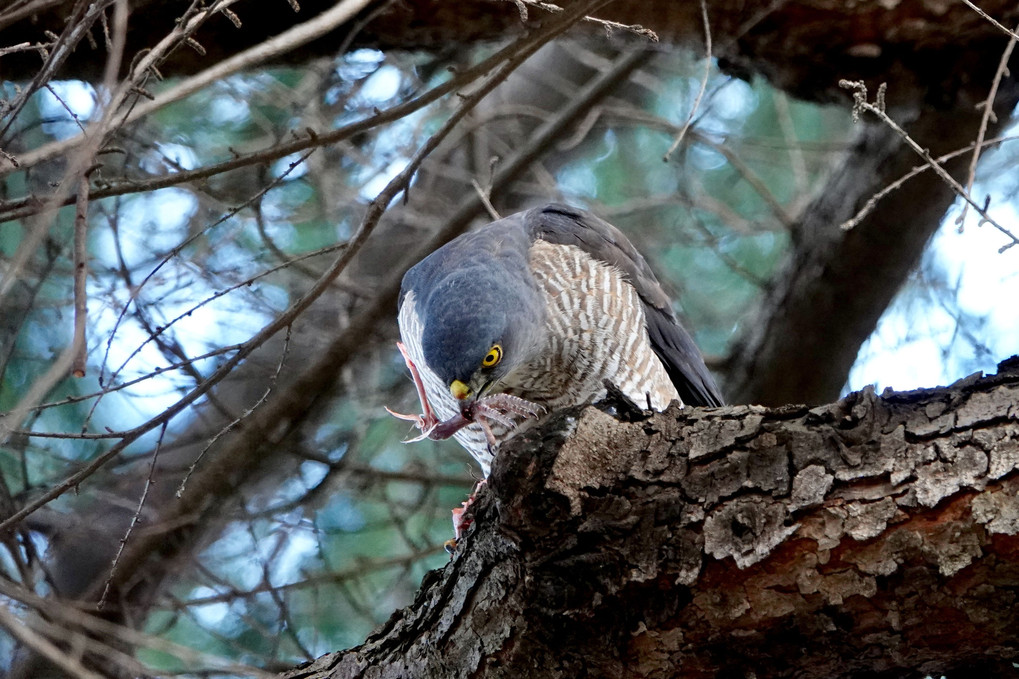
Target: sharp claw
[
  {"x": 499, "y": 408},
  {"x": 486, "y": 412},
  {"x": 420, "y": 437}
]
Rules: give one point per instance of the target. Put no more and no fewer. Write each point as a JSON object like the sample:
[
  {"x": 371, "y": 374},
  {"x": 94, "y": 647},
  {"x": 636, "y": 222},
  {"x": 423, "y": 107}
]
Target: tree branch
[{"x": 872, "y": 535}]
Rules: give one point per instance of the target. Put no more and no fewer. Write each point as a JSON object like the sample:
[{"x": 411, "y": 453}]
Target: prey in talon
[
  {"x": 499, "y": 408},
  {"x": 533, "y": 313}
]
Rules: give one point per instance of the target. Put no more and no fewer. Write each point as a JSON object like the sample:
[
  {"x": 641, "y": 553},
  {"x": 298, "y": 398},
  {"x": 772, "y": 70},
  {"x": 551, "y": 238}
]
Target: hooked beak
[
  {"x": 467, "y": 397},
  {"x": 461, "y": 392}
]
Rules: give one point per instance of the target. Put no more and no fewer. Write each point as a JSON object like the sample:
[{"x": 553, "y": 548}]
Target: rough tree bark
[{"x": 875, "y": 536}]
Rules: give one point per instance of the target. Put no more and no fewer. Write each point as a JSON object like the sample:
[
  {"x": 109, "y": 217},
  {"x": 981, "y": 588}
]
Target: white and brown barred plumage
[{"x": 570, "y": 303}]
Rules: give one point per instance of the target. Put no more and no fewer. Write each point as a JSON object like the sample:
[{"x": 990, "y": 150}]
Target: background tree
[{"x": 218, "y": 253}]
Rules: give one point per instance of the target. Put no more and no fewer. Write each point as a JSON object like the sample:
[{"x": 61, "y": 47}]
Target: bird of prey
[{"x": 533, "y": 313}]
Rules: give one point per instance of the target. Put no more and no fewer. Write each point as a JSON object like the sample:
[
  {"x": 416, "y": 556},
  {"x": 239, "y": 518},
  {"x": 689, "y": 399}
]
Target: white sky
[{"x": 906, "y": 351}]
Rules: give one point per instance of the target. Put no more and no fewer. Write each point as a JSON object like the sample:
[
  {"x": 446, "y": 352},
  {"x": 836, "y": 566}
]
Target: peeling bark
[{"x": 878, "y": 535}]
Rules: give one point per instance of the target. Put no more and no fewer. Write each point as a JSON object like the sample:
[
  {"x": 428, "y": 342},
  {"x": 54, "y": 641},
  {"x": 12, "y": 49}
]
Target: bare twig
[
  {"x": 168, "y": 257},
  {"x": 135, "y": 518},
  {"x": 70, "y": 617},
  {"x": 704, "y": 84},
  {"x": 609, "y": 26},
  {"x": 78, "y": 25},
  {"x": 243, "y": 416},
  {"x": 994, "y": 22},
  {"x": 367, "y": 567},
  {"x": 19, "y": 208},
  {"x": 80, "y": 260},
  {"x": 878, "y": 109},
  {"x": 284, "y": 42},
  {"x": 872, "y": 202},
  {"x": 785, "y": 122},
  {"x": 485, "y": 199},
  {"x": 20, "y": 47},
  {"x": 44, "y": 646},
  {"x": 40, "y": 387},
  {"x": 988, "y": 115},
  {"x": 751, "y": 178}
]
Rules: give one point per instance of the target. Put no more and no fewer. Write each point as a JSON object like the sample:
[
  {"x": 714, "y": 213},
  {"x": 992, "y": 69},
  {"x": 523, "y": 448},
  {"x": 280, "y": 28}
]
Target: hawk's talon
[
  {"x": 508, "y": 403},
  {"x": 499, "y": 408}
]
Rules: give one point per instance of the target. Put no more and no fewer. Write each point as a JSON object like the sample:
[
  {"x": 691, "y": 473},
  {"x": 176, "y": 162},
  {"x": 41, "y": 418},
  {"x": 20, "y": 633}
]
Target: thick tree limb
[{"x": 875, "y": 535}]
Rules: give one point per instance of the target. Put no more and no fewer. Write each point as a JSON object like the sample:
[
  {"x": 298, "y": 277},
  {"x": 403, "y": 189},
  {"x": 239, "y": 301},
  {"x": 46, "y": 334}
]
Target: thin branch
[
  {"x": 878, "y": 109},
  {"x": 366, "y": 568},
  {"x": 80, "y": 261},
  {"x": 70, "y": 616},
  {"x": 872, "y": 202},
  {"x": 29, "y": 205},
  {"x": 988, "y": 106},
  {"x": 135, "y": 518},
  {"x": 783, "y": 114},
  {"x": 78, "y": 24},
  {"x": 44, "y": 647},
  {"x": 485, "y": 198},
  {"x": 609, "y": 26},
  {"x": 704, "y": 83},
  {"x": 40, "y": 387},
  {"x": 243, "y": 416},
  {"x": 751, "y": 178},
  {"x": 136, "y": 292},
  {"x": 994, "y": 22},
  {"x": 284, "y": 42}
]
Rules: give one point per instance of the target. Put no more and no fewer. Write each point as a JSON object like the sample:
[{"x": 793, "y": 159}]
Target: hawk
[{"x": 533, "y": 313}]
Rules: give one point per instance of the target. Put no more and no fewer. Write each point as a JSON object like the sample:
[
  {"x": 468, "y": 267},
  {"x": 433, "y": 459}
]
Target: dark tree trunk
[{"x": 876, "y": 536}]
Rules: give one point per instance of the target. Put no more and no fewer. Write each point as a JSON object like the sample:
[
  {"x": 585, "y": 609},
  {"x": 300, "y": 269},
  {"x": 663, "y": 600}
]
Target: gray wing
[{"x": 682, "y": 359}]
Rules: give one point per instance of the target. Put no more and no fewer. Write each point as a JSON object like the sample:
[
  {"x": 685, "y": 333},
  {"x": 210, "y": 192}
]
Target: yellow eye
[{"x": 493, "y": 356}]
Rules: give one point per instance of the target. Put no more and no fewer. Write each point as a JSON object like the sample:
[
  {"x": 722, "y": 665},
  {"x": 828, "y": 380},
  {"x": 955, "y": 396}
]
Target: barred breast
[{"x": 596, "y": 331}]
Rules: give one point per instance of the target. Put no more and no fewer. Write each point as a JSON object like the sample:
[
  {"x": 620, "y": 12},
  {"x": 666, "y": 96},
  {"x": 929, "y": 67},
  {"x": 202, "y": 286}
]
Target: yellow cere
[
  {"x": 493, "y": 356},
  {"x": 459, "y": 390}
]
